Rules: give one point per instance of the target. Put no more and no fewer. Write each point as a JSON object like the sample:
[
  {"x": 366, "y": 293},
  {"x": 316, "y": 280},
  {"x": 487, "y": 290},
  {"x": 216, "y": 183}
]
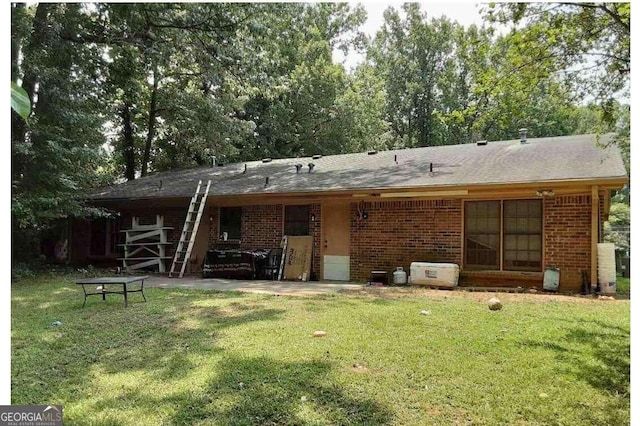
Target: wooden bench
[{"x": 104, "y": 282}]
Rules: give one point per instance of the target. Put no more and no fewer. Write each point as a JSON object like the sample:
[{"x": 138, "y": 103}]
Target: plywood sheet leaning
[{"x": 298, "y": 253}]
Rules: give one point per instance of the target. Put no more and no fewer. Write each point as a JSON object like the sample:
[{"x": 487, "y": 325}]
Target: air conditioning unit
[{"x": 435, "y": 274}]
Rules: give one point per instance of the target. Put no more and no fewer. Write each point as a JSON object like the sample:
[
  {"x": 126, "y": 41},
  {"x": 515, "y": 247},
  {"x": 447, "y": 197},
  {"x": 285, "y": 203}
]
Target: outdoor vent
[
  {"x": 213, "y": 161},
  {"x": 266, "y": 180},
  {"x": 395, "y": 158},
  {"x": 311, "y": 166},
  {"x": 523, "y": 135},
  {"x": 266, "y": 160},
  {"x": 317, "y": 156},
  {"x": 374, "y": 152},
  {"x": 481, "y": 143},
  {"x": 245, "y": 170},
  {"x": 298, "y": 167},
  {"x": 431, "y": 168}
]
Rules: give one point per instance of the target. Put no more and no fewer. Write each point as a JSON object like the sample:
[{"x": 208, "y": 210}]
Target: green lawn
[{"x": 196, "y": 357}]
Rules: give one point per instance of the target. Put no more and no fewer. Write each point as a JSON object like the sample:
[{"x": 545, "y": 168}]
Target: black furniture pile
[{"x": 234, "y": 263}]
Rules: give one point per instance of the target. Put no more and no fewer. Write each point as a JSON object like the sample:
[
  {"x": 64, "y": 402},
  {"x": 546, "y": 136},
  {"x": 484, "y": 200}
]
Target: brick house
[{"x": 503, "y": 211}]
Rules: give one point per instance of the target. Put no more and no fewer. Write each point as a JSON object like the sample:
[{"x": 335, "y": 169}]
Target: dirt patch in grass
[{"x": 391, "y": 293}]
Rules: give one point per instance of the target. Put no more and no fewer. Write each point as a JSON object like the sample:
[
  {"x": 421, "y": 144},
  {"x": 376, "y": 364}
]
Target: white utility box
[{"x": 435, "y": 274}]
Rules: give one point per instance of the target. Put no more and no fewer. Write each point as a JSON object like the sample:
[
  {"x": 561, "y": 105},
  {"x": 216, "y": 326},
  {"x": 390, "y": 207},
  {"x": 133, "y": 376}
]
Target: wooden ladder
[{"x": 190, "y": 229}]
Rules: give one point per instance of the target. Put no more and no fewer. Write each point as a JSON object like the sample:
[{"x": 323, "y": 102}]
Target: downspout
[{"x": 595, "y": 227}]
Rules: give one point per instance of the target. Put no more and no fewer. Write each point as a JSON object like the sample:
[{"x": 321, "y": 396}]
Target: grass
[
  {"x": 197, "y": 357},
  {"x": 623, "y": 285}
]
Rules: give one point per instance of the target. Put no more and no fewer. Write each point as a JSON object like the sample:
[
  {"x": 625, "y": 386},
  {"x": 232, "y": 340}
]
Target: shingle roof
[{"x": 539, "y": 160}]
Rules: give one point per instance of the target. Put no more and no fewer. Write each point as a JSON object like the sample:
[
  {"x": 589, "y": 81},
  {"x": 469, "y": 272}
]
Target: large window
[
  {"x": 510, "y": 227},
  {"x": 296, "y": 220},
  {"x": 230, "y": 222}
]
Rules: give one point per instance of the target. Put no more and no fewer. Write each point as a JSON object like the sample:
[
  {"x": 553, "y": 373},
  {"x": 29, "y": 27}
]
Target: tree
[
  {"x": 588, "y": 43},
  {"x": 446, "y": 84},
  {"x": 412, "y": 54},
  {"x": 617, "y": 227},
  {"x": 361, "y": 107},
  {"x": 57, "y": 152},
  {"x": 297, "y": 109}
]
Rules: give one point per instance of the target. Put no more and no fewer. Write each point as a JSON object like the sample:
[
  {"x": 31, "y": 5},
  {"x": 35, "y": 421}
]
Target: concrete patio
[{"x": 252, "y": 286}]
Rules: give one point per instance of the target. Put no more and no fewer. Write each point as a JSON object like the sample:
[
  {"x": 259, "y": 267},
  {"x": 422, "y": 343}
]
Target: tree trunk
[
  {"x": 128, "y": 143},
  {"x": 152, "y": 121},
  {"x": 36, "y": 42},
  {"x": 16, "y": 13}
]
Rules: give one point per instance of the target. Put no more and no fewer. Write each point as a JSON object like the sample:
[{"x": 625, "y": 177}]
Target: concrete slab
[{"x": 253, "y": 286}]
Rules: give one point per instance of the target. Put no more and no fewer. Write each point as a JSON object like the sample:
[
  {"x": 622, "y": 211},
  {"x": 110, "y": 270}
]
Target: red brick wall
[
  {"x": 397, "y": 233},
  {"x": 261, "y": 226},
  {"x": 567, "y": 239}
]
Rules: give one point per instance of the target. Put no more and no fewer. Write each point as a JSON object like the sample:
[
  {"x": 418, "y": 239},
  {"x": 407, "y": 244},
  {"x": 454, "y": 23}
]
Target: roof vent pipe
[
  {"x": 245, "y": 169},
  {"x": 213, "y": 161},
  {"x": 266, "y": 180},
  {"x": 311, "y": 166},
  {"x": 298, "y": 167},
  {"x": 523, "y": 135}
]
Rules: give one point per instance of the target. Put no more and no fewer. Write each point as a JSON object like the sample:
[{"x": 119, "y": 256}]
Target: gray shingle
[{"x": 540, "y": 160}]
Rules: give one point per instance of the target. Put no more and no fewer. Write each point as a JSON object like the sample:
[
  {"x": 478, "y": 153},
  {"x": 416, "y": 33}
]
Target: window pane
[
  {"x": 493, "y": 209},
  {"x": 231, "y": 221},
  {"x": 535, "y": 225},
  {"x": 510, "y": 210},
  {"x": 535, "y": 242},
  {"x": 523, "y": 224},
  {"x": 296, "y": 220},
  {"x": 522, "y": 208},
  {"x": 482, "y": 209},
  {"x": 523, "y": 242},
  {"x": 535, "y": 209}
]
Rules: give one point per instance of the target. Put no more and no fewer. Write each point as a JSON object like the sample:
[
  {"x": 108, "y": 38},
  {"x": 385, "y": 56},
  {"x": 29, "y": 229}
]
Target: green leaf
[{"x": 20, "y": 102}]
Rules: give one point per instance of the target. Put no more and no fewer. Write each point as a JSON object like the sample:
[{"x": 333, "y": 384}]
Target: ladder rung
[{"x": 196, "y": 205}]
